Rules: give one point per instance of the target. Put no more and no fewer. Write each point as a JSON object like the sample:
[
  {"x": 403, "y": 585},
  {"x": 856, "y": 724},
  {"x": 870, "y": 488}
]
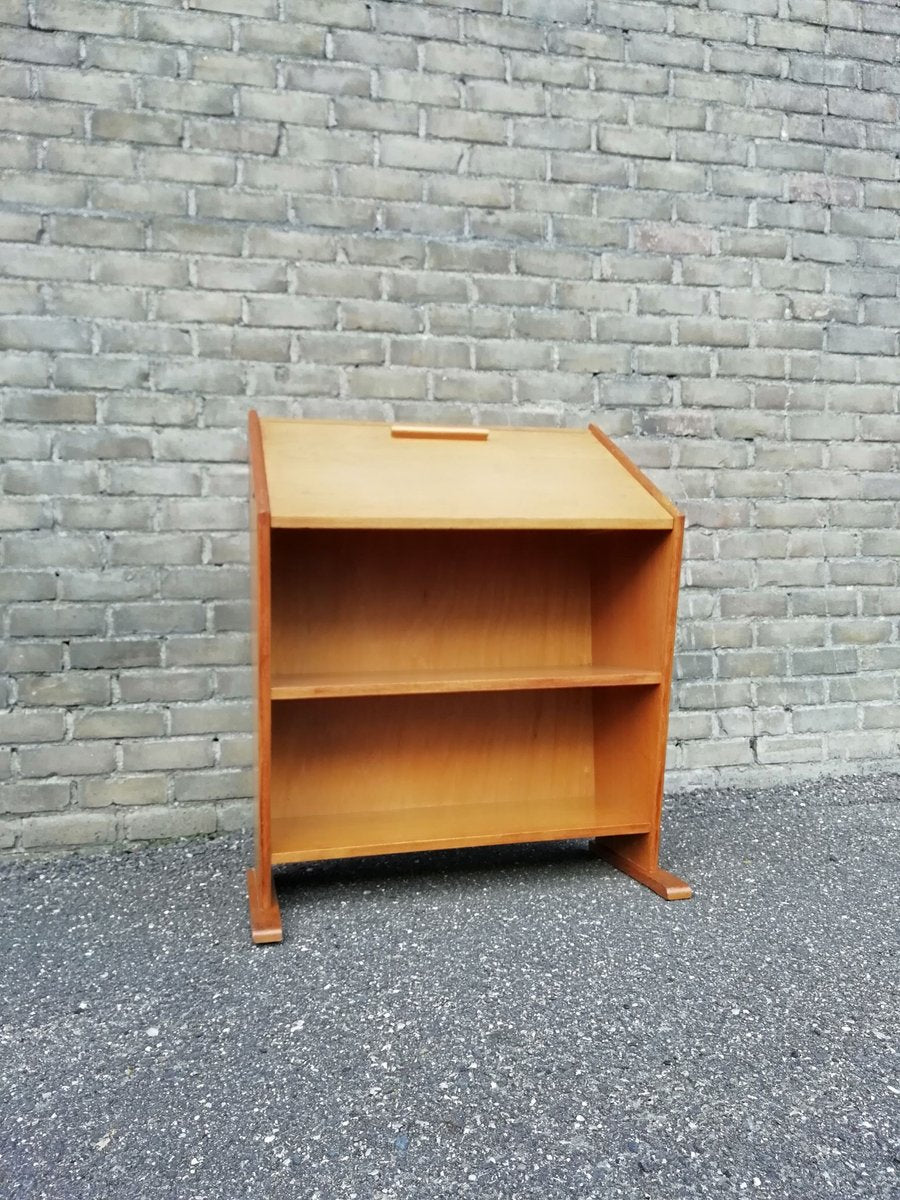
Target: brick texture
[{"x": 676, "y": 219}]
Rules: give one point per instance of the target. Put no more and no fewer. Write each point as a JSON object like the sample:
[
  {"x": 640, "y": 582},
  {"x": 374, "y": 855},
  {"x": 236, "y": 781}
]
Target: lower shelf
[
  {"x": 312, "y": 836},
  {"x": 473, "y": 679}
]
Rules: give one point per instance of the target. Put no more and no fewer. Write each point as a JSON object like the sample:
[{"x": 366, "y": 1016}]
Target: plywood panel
[
  {"x": 627, "y": 762},
  {"x": 356, "y": 475},
  {"x": 631, "y": 587},
  {"x": 409, "y": 683},
  {"x": 356, "y": 601},
  {"x": 336, "y": 835},
  {"x": 398, "y": 753}
]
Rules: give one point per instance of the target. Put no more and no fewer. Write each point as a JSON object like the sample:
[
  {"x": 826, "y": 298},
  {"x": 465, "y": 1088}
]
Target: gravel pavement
[{"x": 516, "y": 1023}]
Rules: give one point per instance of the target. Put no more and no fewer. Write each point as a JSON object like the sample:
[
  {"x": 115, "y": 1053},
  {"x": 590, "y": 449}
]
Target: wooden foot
[
  {"x": 265, "y": 915},
  {"x": 664, "y": 883}
]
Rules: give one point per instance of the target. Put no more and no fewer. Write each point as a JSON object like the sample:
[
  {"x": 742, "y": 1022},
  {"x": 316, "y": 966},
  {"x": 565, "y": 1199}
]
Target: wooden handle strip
[{"x": 460, "y": 433}]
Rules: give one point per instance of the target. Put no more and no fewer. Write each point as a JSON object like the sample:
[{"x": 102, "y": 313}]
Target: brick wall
[{"x": 676, "y": 218}]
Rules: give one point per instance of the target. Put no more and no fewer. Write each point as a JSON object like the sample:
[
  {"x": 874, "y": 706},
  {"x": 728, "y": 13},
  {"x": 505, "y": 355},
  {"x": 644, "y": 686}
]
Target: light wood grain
[
  {"x": 261, "y": 894},
  {"x": 359, "y": 601},
  {"x": 400, "y": 683},
  {"x": 630, "y": 598},
  {"x": 355, "y": 475},
  {"x": 393, "y": 753},
  {"x": 658, "y": 579},
  {"x": 481, "y": 823},
  {"x": 625, "y": 752},
  {"x": 634, "y": 470}
]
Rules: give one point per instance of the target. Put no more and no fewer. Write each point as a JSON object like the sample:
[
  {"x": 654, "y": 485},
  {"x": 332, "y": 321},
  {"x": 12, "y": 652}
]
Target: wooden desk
[{"x": 462, "y": 637}]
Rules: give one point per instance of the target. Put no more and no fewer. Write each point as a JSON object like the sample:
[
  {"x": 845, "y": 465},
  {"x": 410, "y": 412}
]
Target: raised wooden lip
[
  {"x": 408, "y": 683},
  {"x": 447, "y": 433},
  {"x": 599, "y": 524}
]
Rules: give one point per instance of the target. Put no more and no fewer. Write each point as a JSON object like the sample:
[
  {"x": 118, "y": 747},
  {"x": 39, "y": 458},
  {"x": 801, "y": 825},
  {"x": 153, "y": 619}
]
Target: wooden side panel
[
  {"x": 354, "y": 602},
  {"x": 672, "y": 574},
  {"x": 626, "y": 730},
  {"x": 260, "y": 566},
  {"x": 411, "y": 771},
  {"x": 631, "y": 740},
  {"x": 630, "y": 584}
]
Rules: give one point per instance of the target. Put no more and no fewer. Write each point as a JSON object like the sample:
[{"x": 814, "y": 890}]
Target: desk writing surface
[{"x": 356, "y": 475}]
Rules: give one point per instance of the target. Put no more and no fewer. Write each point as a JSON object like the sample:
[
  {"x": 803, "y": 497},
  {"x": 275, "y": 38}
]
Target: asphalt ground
[{"x": 519, "y": 1023}]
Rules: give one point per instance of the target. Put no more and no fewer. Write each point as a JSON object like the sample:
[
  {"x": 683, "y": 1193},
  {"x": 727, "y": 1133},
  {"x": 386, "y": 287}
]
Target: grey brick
[
  {"x": 157, "y": 618},
  {"x": 27, "y": 585},
  {"x": 592, "y": 44},
  {"x": 112, "y": 655},
  {"x": 429, "y": 220},
  {"x": 254, "y": 8},
  {"x": 32, "y": 116},
  {"x": 212, "y": 718},
  {"x": 28, "y": 797},
  {"x": 513, "y": 163},
  {"x": 20, "y": 725},
  {"x": 66, "y": 407},
  {"x": 38, "y": 47},
  {"x": 466, "y": 126},
  {"x": 140, "y": 687},
  {"x": 68, "y": 829},
  {"x": 645, "y": 143},
  {"x": 68, "y": 759},
  {"x": 118, "y": 722},
  {"x": 136, "y": 127},
  {"x": 296, "y": 108},
  {"x": 156, "y": 480},
  {"x": 184, "y": 27},
  {"x": 83, "y": 16},
  {"x": 17, "y": 657},
  {"x": 386, "y": 51},
  {"x": 159, "y": 823},
  {"x": 173, "y": 754},
  {"x": 60, "y": 620},
  {"x": 121, "y": 791}
]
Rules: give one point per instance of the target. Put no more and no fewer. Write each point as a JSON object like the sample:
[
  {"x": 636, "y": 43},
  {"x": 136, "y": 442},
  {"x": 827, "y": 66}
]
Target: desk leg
[
  {"x": 636, "y": 855},
  {"x": 265, "y": 915}
]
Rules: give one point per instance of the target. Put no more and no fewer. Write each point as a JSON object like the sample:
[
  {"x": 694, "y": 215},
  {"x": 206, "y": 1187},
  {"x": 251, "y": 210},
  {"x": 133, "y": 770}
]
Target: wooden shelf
[
  {"x": 307, "y": 837},
  {"x": 476, "y": 679}
]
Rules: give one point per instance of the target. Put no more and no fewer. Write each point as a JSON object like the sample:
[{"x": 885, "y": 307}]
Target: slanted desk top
[{"x": 326, "y": 474}]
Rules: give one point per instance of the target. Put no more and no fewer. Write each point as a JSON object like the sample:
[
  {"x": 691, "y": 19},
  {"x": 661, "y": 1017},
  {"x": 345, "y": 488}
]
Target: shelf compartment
[
  {"x": 311, "y": 836},
  {"x": 363, "y": 763},
  {"x": 352, "y": 603},
  {"x": 369, "y": 774},
  {"x": 484, "y": 679}
]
